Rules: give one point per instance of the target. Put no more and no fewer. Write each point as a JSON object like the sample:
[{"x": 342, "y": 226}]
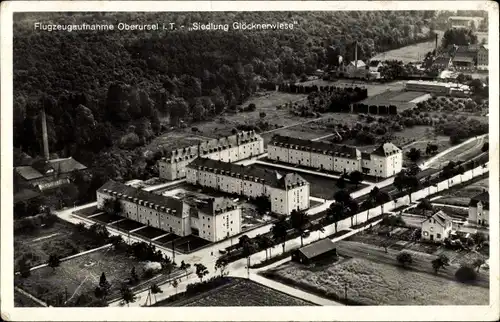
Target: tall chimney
[
  {"x": 436, "y": 47},
  {"x": 356, "y": 54},
  {"x": 44, "y": 135}
]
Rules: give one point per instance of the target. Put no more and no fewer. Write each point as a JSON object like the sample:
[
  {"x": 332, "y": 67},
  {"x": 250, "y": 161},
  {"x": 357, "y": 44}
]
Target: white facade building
[
  {"x": 385, "y": 161},
  {"x": 214, "y": 219},
  {"x": 437, "y": 227},
  {"x": 479, "y": 209},
  {"x": 439, "y": 88},
  {"x": 227, "y": 149},
  {"x": 285, "y": 193}
]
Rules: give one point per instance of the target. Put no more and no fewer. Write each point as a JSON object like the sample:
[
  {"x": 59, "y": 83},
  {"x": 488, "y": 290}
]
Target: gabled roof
[
  {"x": 349, "y": 151},
  {"x": 269, "y": 178},
  {"x": 120, "y": 188},
  {"x": 317, "y": 248},
  {"x": 484, "y": 197},
  {"x": 361, "y": 63},
  {"x": 440, "y": 217},
  {"x": 386, "y": 149},
  {"x": 214, "y": 205},
  {"x": 375, "y": 63},
  {"x": 28, "y": 172},
  {"x": 66, "y": 165}
]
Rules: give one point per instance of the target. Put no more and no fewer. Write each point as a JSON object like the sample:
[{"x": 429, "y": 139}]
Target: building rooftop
[
  {"x": 66, "y": 165},
  {"x": 440, "y": 217},
  {"x": 317, "y": 248},
  {"x": 56, "y": 166},
  {"x": 463, "y": 58},
  {"x": 361, "y": 63},
  {"x": 336, "y": 149},
  {"x": 28, "y": 172},
  {"x": 484, "y": 197},
  {"x": 135, "y": 195},
  {"x": 273, "y": 179},
  {"x": 215, "y": 205},
  {"x": 386, "y": 149}
]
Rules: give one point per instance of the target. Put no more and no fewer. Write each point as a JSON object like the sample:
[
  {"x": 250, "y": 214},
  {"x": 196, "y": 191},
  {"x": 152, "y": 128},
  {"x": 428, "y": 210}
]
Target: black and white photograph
[{"x": 161, "y": 156}]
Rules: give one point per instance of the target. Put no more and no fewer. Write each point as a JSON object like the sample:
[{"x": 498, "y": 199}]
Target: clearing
[
  {"x": 373, "y": 283},
  {"x": 465, "y": 152},
  {"x": 461, "y": 197},
  {"x": 76, "y": 279},
  {"x": 240, "y": 292},
  {"x": 372, "y": 87},
  {"x": 403, "y": 100}
]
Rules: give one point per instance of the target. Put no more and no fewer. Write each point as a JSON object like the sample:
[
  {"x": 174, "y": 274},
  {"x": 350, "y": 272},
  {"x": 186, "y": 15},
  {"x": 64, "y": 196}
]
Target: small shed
[{"x": 314, "y": 252}]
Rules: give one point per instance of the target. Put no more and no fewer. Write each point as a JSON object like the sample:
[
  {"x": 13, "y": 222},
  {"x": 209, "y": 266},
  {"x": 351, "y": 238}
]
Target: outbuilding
[{"x": 314, "y": 252}]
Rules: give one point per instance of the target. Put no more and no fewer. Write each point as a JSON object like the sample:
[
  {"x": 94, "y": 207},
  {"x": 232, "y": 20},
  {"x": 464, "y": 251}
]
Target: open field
[
  {"x": 59, "y": 239},
  {"x": 412, "y": 53},
  {"x": 321, "y": 187},
  {"x": 373, "y": 283},
  {"x": 174, "y": 140},
  {"x": 80, "y": 276},
  {"x": 463, "y": 153},
  {"x": 373, "y": 87},
  {"x": 240, "y": 292},
  {"x": 461, "y": 197},
  {"x": 399, "y": 98},
  {"x": 442, "y": 142}
]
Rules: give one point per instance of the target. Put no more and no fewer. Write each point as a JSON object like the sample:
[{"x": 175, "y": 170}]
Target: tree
[
  {"x": 466, "y": 274},
  {"x": 24, "y": 268},
  {"x": 299, "y": 220},
  {"x": 127, "y": 295},
  {"x": 424, "y": 205},
  {"x": 265, "y": 242},
  {"x": 356, "y": 177},
  {"x": 479, "y": 238},
  {"x": 112, "y": 206},
  {"x": 478, "y": 263},
  {"x": 221, "y": 264},
  {"x": 133, "y": 276},
  {"x": 279, "y": 231},
  {"x": 201, "y": 271},
  {"x": 262, "y": 115},
  {"x": 485, "y": 147},
  {"x": 175, "y": 283},
  {"x": 155, "y": 289},
  {"x": 103, "y": 289},
  {"x": 54, "y": 261},
  {"x": 263, "y": 204},
  {"x": 341, "y": 184},
  {"x": 185, "y": 266},
  {"x": 414, "y": 154},
  {"x": 336, "y": 213},
  {"x": 441, "y": 262},
  {"x": 404, "y": 259}
]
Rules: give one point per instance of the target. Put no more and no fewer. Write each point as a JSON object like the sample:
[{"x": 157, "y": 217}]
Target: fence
[{"x": 364, "y": 216}]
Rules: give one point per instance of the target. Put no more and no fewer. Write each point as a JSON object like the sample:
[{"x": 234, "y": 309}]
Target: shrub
[{"x": 466, "y": 274}]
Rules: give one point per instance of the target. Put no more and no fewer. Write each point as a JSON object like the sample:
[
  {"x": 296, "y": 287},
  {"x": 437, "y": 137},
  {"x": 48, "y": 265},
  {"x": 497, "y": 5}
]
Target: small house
[
  {"x": 316, "y": 251},
  {"x": 479, "y": 209},
  {"x": 437, "y": 227}
]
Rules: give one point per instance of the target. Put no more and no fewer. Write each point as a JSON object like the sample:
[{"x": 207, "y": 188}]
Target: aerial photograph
[{"x": 251, "y": 158}]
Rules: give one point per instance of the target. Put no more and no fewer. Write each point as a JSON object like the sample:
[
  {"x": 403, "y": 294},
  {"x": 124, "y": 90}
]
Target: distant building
[
  {"x": 438, "y": 88},
  {"x": 441, "y": 62},
  {"x": 464, "y": 22},
  {"x": 482, "y": 57},
  {"x": 375, "y": 65},
  {"x": 213, "y": 219},
  {"x": 316, "y": 251},
  {"x": 385, "y": 161},
  {"x": 437, "y": 227},
  {"x": 227, "y": 149},
  {"x": 479, "y": 209},
  {"x": 49, "y": 174},
  {"x": 285, "y": 193}
]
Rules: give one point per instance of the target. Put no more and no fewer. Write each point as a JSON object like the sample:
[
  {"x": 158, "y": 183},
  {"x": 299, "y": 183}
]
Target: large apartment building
[
  {"x": 232, "y": 148},
  {"x": 385, "y": 161},
  {"x": 286, "y": 193},
  {"x": 213, "y": 219}
]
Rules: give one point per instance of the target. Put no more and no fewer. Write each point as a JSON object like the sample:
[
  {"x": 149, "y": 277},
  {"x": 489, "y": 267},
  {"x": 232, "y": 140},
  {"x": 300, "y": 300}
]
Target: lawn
[
  {"x": 59, "y": 239},
  {"x": 107, "y": 218},
  {"x": 128, "y": 225},
  {"x": 321, "y": 187},
  {"x": 461, "y": 197},
  {"x": 79, "y": 276},
  {"x": 150, "y": 232},
  {"x": 373, "y": 283},
  {"x": 464, "y": 152},
  {"x": 372, "y": 87},
  {"x": 85, "y": 212},
  {"x": 442, "y": 142},
  {"x": 174, "y": 140},
  {"x": 241, "y": 292}
]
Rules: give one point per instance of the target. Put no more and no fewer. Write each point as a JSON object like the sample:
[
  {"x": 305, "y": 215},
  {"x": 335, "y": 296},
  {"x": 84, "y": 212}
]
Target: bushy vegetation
[{"x": 112, "y": 92}]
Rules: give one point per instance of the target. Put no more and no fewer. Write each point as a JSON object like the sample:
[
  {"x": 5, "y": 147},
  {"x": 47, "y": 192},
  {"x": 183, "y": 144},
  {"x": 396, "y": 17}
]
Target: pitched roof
[
  {"x": 317, "y": 248},
  {"x": 440, "y": 217},
  {"x": 484, "y": 197},
  {"x": 441, "y": 61},
  {"x": 374, "y": 63},
  {"x": 128, "y": 191},
  {"x": 361, "y": 63},
  {"x": 269, "y": 178},
  {"x": 386, "y": 149},
  {"x": 214, "y": 205},
  {"x": 335, "y": 149},
  {"x": 66, "y": 165},
  {"x": 28, "y": 172}
]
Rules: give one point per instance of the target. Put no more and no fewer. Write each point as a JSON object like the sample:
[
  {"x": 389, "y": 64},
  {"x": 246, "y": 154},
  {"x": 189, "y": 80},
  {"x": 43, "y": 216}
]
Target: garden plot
[
  {"x": 462, "y": 196},
  {"x": 372, "y": 283},
  {"x": 241, "y": 292}
]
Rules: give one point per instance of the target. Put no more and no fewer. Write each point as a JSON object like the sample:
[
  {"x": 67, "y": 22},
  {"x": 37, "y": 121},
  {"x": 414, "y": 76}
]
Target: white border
[{"x": 368, "y": 313}]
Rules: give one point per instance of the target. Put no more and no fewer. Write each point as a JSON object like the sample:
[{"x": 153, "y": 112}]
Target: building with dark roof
[
  {"x": 479, "y": 209},
  {"x": 385, "y": 161},
  {"x": 285, "y": 193},
  {"x": 214, "y": 219},
  {"x": 437, "y": 227},
  {"x": 316, "y": 251},
  {"x": 47, "y": 174},
  {"x": 231, "y": 148}
]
